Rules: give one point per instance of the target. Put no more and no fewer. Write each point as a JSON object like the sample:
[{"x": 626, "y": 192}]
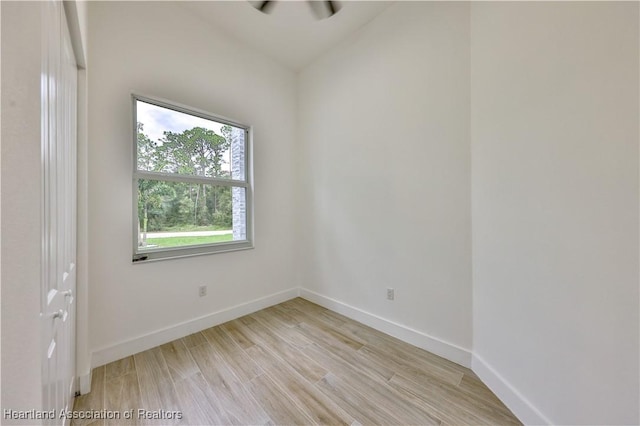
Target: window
[{"x": 191, "y": 182}]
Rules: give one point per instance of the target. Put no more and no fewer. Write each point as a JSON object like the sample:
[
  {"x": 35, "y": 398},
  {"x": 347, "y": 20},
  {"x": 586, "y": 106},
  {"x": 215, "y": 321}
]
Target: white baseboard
[
  {"x": 142, "y": 343},
  {"x": 85, "y": 384},
  {"x": 85, "y": 380},
  {"x": 417, "y": 338},
  {"x": 509, "y": 395}
]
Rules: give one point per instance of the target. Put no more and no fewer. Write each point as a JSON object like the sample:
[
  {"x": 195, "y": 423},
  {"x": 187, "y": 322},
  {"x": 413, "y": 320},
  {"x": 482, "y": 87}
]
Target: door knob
[
  {"x": 60, "y": 314},
  {"x": 69, "y": 294}
]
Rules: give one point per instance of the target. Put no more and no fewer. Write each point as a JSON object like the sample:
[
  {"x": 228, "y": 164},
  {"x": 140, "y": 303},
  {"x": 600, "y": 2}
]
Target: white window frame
[{"x": 143, "y": 256}]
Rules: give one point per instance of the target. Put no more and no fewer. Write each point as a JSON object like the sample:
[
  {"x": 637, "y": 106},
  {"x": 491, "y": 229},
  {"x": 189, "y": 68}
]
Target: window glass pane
[
  {"x": 170, "y": 141},
  {"x": 177, "y": 214}
]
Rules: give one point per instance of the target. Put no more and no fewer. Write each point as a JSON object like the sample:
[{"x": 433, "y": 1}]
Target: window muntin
[{"x": 192, "y": 192}]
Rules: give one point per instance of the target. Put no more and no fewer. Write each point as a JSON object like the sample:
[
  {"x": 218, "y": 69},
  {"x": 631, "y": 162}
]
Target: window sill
[{"x": 179, "y": 253}]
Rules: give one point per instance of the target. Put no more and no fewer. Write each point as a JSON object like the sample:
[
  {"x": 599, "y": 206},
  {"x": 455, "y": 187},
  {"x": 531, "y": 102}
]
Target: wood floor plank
[
  {"x": 473, "y": 387},
  {"x": 304, "y": 305},
  {"x": 309, "y": 308},
  {"x": 354, "y": 360},
  {"x": 433, "y": 402},
  {"x": 490, "y": 413},
  {"x": 363, "y": 332},
  {"x": 451, "y": 405},
  {"x": 235, "y": 330},
  {"x": 294, "y": 337},
  {"x": 317, "y": 405},
  {"x": 327, "y": 321},
  {"x": 269, "y": 319},
  {"x": 395, "y": 347},
  {"x": 306, "y": 367},
  {"x": 200, "y": 402},
  {"x": 240, "y": 406},
  {"x": 94, "y": 400},
  {"x": 267, "y": 359},
  {"x": 343, "y": 363},
  {"x": 122, "y": 394},
  {"x": 218, "y": 338},
  {"x": 241, "y": 364},
  {"x": 373, "y": 387},
  {"x": 194, "y": 339},
  {"x": 325, "y": 336},
  {"x": 281, "y": 409},
  {"x": 320, "y": 321},
  {"x": 280, "y": 328},
  {"x": 283, "y": 315},
  {"x": 157, "y": 391},
  {"x": 303, "y": 310},
  {"x": 409, "y": 366},
  {"x": 361, "y": 408},
  {"x": 178, "y": 359},
  {"x": 119, "y": 368},
  {"x": 247, "y": 320}
]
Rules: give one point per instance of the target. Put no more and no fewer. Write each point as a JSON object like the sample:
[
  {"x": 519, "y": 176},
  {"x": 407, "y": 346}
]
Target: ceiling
[{"x": 291, "y": 32}]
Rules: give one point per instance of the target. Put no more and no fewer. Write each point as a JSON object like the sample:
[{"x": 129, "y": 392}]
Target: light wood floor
[{"x": 294, "y": 363}]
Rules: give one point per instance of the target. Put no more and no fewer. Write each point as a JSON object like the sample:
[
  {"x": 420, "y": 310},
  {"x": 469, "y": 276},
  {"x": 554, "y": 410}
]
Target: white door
[{"x": 59, "y": 86}]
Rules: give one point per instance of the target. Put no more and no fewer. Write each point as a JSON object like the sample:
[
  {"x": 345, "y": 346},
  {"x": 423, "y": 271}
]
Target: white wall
[
  {"x": 21, "y": 208},
  {"x": 554, "y": 129},
  {"x": 161, "y": 50},
  {"x": 384, "y": 171}
]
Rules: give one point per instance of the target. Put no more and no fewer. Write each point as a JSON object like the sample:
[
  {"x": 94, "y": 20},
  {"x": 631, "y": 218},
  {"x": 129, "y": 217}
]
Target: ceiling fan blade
[
  {"x": 324, "y": 9},
  {"x": 265, "y": 6},
  {"x": 333, "y": 7}
]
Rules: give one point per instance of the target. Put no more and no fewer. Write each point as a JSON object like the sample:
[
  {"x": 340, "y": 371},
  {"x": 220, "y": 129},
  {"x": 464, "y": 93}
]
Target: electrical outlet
[
  {"x": 202, "y": 290},
  {"x": 391, "y": 293}
]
